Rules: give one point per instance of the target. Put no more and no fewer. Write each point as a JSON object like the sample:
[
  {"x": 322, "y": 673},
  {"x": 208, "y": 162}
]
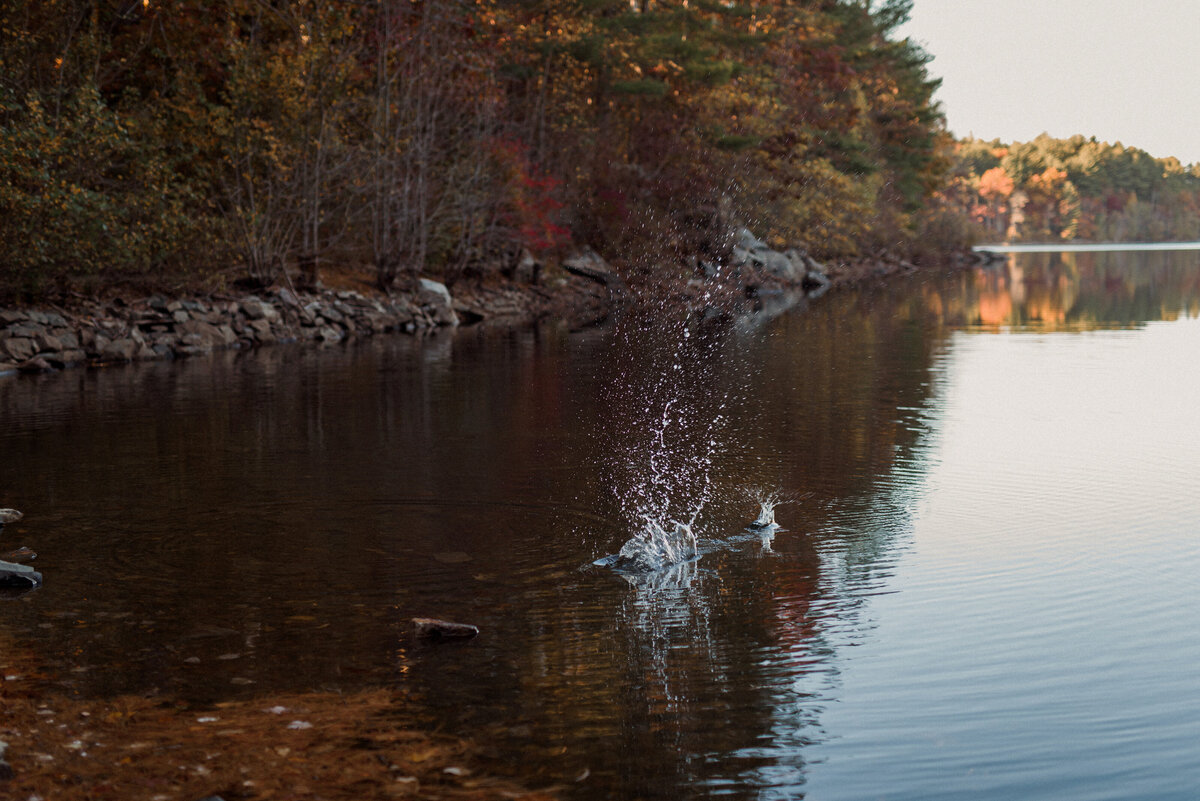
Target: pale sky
[{"x": 1119, "y": 70}]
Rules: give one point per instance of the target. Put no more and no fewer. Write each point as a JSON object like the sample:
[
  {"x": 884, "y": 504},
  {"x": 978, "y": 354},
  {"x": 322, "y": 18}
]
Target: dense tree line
[
  {"x": 167, "y": 139},
  {"x": 1078, "y": 188}
]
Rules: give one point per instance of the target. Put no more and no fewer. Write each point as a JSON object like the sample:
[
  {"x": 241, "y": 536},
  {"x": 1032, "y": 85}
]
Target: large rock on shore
[
  {"x": 435, "y": 299},
  {"x": 121, "y": 350},
  {"x": 589, "y": 264},
  {"x": 793, "y": 265},
  {"x": 18, "y": 349}
]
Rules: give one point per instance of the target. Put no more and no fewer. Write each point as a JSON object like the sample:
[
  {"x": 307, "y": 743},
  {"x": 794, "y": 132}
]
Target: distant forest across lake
[{"x": 1074, "y": 189}]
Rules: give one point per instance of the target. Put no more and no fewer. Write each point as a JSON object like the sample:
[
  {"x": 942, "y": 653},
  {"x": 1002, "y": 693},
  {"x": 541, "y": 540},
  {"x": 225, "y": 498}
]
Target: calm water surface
[{"x": 989, "y": 591}]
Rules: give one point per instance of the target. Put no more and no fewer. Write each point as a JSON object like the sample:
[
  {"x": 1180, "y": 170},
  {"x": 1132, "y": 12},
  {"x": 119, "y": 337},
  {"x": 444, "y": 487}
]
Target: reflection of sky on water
[
  {"x": 984, "y": 509},
  {"x": 1032, "y": 641}
]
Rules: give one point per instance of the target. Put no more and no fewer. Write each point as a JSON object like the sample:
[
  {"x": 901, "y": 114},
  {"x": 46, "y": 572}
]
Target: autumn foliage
[
  {"x": 164, "y": 139},
  {"x": 1073, "y": 189}
]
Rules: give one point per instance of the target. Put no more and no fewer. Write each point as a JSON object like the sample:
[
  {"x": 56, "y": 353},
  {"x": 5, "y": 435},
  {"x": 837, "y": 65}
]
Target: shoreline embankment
[{"x": 580, "y": 292}]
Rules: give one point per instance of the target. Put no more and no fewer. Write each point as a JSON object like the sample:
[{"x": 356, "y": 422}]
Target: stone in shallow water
[
  {"x": 443, "y": 629},
  {"x": 18, "y": 577},
  {"x": 22, "y": 554},
  {"x": 9, "y": 516}
]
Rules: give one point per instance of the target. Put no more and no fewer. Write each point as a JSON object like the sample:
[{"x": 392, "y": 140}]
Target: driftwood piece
[{"x": 434, "y": 629}]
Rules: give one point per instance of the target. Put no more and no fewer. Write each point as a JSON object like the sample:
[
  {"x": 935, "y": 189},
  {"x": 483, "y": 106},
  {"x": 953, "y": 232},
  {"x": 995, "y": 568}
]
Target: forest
[
  {"x": 152, "y": 141},
  {"x": 1077, "y": 188},
  {"x": 155, "y": 143}
]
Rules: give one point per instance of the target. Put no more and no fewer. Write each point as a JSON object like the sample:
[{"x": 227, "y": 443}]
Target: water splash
[
  {"x": 654, "y": 548},
  {"x": 668, "y": 398},
  {"x": 768, "y": 501}
]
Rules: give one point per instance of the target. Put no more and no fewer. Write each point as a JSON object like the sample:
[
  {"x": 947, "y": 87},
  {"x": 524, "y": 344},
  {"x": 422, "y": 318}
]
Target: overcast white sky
[{"x": 1119, "y": 70}]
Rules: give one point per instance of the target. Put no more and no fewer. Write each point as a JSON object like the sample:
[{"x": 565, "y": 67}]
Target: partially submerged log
[{"x": 434, "y": 629}]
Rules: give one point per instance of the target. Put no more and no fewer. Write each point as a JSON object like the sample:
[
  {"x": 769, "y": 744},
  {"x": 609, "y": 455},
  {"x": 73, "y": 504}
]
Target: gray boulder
[
  {"x": 778, "y": 264},
  {"x": 47, "y": 342},
  {"x": 330, "y": 334},
  {"x": 18, "y": 348},
  {"x": 255, "y": 309},
  {"x": 435, "y": 299},
  {"x": 123, "y": 349},
  {"x": 9, "y": 516},
  {"x": 589, "y": 264},
  {"x": 794, "y": 265}
]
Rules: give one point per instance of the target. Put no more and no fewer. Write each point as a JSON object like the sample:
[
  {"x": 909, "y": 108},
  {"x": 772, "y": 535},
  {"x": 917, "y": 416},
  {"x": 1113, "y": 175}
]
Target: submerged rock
[
  {"x": 18, "y": 577},
  {"x": 435, "y": 629},
  {"x": 9, "y": 516},
  {"x": 22, "y": 554}
]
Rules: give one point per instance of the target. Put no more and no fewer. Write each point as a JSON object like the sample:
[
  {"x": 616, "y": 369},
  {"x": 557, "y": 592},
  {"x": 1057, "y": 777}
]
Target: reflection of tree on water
[
  {"x": 730, "y": 661},
  {"x": 1072, "y": 291},
  {"x": 712, "y": 647}
]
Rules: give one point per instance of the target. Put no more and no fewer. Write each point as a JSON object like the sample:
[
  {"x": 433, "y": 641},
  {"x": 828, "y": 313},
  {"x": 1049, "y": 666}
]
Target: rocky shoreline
[
  {"x": 95, "y": 333},
  {"x": 581, "y": 291}
]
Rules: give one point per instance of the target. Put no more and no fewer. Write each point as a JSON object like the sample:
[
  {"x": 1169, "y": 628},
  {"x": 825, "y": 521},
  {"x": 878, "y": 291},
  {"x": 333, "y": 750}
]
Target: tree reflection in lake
[{"x": 277, "y": 518}]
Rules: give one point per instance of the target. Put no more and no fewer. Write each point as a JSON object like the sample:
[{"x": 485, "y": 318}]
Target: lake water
[{"x": 988, "y": 590}]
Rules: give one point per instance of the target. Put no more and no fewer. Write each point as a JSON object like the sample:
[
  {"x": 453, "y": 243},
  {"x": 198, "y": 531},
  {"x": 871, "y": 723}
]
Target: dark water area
[{"x": 985, "y": 587}]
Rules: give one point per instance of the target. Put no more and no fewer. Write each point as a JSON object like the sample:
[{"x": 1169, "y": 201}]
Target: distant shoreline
[{"x": 1085, "y": 247}]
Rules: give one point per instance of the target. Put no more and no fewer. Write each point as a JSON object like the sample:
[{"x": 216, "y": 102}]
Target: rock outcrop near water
[
  {"x": 793, "y": 265},
  {"x": 159, "y": 328},
  {"x": 589, "y": 264}
]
